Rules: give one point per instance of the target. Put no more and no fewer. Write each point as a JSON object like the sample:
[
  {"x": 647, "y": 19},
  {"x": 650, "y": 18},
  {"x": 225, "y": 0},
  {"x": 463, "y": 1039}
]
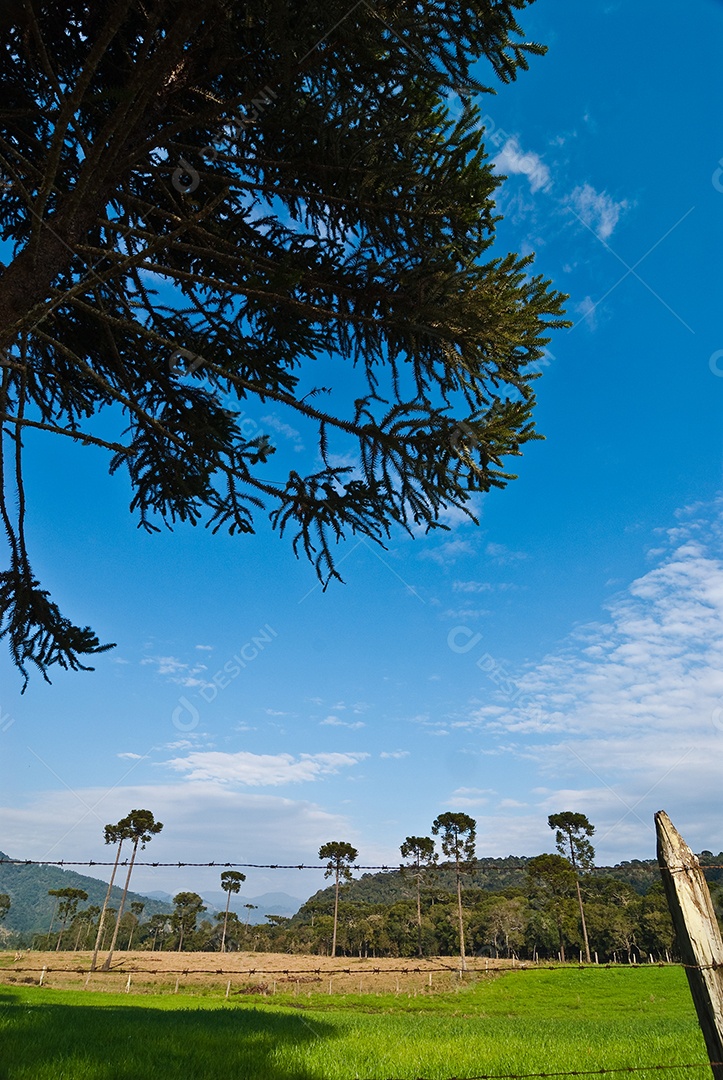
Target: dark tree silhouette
[{"x": 201, "y": 202}]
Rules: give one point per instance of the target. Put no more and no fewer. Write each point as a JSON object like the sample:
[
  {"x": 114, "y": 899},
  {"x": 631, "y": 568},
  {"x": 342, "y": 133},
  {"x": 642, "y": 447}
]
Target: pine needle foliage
[{"x": 198, "y": 203}]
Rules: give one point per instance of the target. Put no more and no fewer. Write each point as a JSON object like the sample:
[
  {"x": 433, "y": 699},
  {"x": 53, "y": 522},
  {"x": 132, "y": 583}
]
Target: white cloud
[
  {"x": 597, "y": 209},
  {"x": 334, "y": 721},
  {"x": 448, "y": 552},
  {"x": 394, "y": 753},
  {"x": 466, "y": 613},
  {"x": 468, "y": 797},
  {"x": 177, "y": 671},
  {"x": 261, "y": 770},
  {"x": 130, "y": 756},
  {"x": 512, "y": 159},
  {"x": 502, "y": 554},
  {"x": 284, "y": 429},
  {"x": 627, "y": 716},
  {"x": 587, "y": 309},
  {"x": 202, "y": 822}
]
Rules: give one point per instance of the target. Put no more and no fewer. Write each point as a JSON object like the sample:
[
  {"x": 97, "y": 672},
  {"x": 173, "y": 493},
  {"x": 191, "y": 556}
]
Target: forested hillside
[{"x": 31, "y": 907}]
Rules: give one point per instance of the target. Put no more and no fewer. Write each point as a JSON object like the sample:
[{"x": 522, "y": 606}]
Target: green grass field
[{"x": 529, "y": 1021}]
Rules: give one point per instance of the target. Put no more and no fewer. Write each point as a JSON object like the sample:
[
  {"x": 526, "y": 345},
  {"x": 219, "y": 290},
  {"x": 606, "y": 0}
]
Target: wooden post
[
  {"x": 697, "y": 933},
  {"x": 42, "y": 976}
]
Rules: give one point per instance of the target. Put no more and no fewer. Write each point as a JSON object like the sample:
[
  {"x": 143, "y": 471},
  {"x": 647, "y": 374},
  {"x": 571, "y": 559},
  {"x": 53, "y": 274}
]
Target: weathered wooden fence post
[{"x": 697, "y": 933}]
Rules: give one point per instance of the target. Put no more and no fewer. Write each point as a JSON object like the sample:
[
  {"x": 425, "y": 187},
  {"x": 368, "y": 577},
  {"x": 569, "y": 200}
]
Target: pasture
[{"x": 505, "y": 1023}]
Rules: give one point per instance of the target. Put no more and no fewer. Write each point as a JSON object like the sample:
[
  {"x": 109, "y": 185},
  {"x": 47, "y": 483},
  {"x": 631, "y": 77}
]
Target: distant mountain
[
  {"x": 31, "y": 907},
  {"x": 270, "y": 903}
]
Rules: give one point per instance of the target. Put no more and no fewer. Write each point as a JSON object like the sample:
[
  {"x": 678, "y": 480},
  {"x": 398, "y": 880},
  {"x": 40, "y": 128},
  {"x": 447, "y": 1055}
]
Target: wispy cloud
[
  {"x": 597, "y": 209},
  {"x": 632, "y": 706},
  {"x": 513, "y": 160},
  {"x": 177, "y": 671},
  {"x": 394, "y": 753},
  {"x": 261, "y": 770},
  {"x": 334, "y": 721}
]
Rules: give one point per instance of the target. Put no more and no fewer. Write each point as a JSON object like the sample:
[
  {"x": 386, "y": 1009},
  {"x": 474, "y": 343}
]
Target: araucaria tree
[
  {"x": 341, "y": 856},
  {"x": 419, "y": 850},
  {"x": 203, "y": 202},
  {"x": 114, "y": 834},
  {"x": 458, "y": 833},
  {"x": 230, "y": 883},
  {"x": 571, "y": 837},
  {"x": 140, "y": 826}
]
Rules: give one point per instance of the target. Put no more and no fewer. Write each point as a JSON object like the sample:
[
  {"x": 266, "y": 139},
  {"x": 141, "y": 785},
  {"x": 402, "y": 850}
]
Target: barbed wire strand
[
  {"x": 387, "y": 867},
  {"x": 509, "y": 965}
]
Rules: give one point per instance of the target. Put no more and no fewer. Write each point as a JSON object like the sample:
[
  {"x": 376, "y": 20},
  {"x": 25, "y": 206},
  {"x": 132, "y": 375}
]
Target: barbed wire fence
[{"x": 428, "y": 969}]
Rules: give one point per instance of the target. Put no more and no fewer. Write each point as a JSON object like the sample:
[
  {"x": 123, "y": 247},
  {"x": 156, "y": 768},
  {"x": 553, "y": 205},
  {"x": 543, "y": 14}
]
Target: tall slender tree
[
  {"x": 230, "y": 883},
  {"x": 114, "y": 834},
  {"x": 572, "y": 832},
  {"x": 141, "y": 827},
  {"x": 458, "y": 833},
  {"x": 340, "y": 857},
  {"x": 419, "y": 850}
]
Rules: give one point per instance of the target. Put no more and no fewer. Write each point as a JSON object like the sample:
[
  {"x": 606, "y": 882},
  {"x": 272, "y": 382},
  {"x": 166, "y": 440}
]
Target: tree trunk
[
  {"x": 582, "y": 919},
  {"x": 336, "y": 913},
  {"x": 462, "y": 957},
  {"x": 225, "y": 921},
  {"x": 101, "y": 918},
  {"x": 419, "y": 916},
  {"x": 109, "y": 957},
  {"x": 52, "y": 917}
]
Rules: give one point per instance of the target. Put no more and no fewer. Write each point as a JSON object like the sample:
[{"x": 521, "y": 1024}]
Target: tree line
[{"x": 556, "y": 906}]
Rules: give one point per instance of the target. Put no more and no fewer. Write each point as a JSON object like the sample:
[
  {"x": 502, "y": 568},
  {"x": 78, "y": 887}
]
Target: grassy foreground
[{"x": 526, "y": 1021}]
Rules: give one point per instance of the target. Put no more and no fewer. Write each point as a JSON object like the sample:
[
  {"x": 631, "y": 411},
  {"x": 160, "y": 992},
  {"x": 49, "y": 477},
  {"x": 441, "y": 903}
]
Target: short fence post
[
  {"x": 128, "y": 984},
  {"x": 42, "y": 976},
  {"x": 697, "y": 933},
  {"x": 228, "y": 988}
]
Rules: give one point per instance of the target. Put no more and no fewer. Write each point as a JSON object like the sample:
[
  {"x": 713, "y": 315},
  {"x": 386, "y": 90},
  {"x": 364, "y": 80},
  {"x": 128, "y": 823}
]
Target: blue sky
[{"x": 566, "y": 654}]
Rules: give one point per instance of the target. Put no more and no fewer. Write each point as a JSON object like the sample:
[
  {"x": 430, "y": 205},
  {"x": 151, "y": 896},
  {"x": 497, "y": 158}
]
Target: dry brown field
[{"x": 244, "y": 973}]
